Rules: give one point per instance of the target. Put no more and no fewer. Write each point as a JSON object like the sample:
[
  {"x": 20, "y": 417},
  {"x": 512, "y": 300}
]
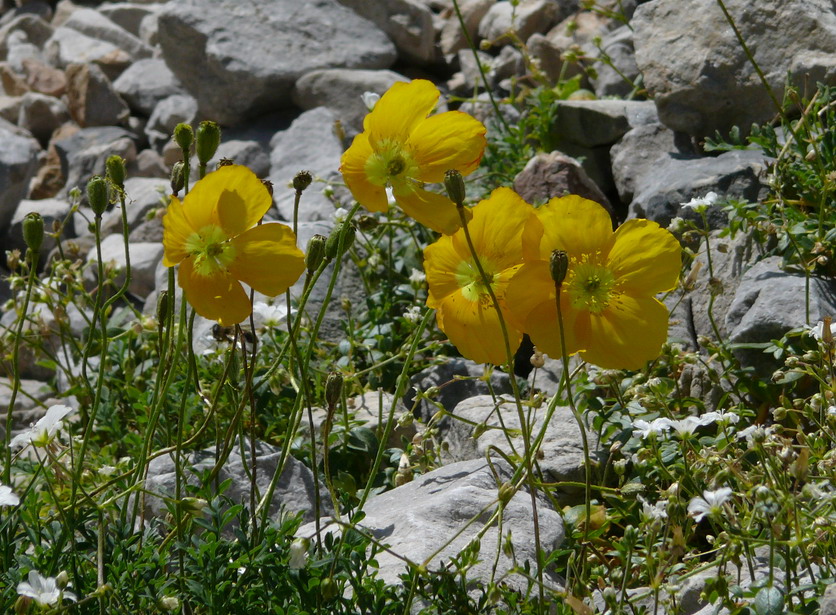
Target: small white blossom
[
  {"x": 390, "y": 196},
  {"x": 677, "y": 225},
  {"x": 686, "y": 426},
  {"x": 370, "y": 99},
  {"x": 340, "y": 215},
  {"x": 270, "y": 316},
  {"x": 7, "y": 498},
  {"x": 44, "y": 590},
  {"x": 651, "y": 512},
  {"x": 755, "y": 433},
  {"x": 817, "y": 331},
  {"x": 711, "y": 503},
  {"x": 298, "y": 554},
  {"x": 643, "y": 429},
  {"x": 831, "y": 410},
  {"x": 42, "y": 432},
  {"x": 700, "y": 204},
  {"x": 721, "y": 417},
  {"x": 413, "y": 314},
  {"x": 417, "y": 277}
]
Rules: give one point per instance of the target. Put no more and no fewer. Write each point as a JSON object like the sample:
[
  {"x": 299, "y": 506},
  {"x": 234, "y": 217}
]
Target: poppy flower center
[
  {"x": 391, "y": 165},
  {"x": 590, "y": 286},
  {"x": 210, "y": 249},
  {"x": 470, "y": 281}
]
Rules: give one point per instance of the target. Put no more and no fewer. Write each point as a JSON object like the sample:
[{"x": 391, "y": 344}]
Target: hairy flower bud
[
  {"x": 97, "y": 194},
  {"x": 163, "y": 306},
  {"x": 333, "y": 242},
  {"x": 558, "y": 266},
  {"x": 183, "y": 136},
  {"x": 208, "y": 138},
  {"x": 315, "y": 252},
  {"x": 115, "y": 166},
  {"x": 302, "y": 180},
  {"x": 33, "y": 231},
  {"x": 333, "y": 388},
  {"x": 178, "y": 179},
  {"x": 454, "y": 184}
]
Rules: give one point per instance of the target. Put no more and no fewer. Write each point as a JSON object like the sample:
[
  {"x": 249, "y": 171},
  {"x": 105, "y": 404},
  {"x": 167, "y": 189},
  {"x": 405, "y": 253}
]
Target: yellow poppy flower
[
  {"x": 464, "y": 309},
  {"x": 401, "y": 148},
  {"x": 212, "y": 235},
  {"x": 610, "y": 312}
]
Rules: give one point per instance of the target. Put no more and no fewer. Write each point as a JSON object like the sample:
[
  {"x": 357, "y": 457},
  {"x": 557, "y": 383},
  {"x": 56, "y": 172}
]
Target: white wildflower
[
  {"x": 7, "y": 498},
  {"x": 817, "y": 331},
  {"x": 677, "y": 225},
  {"x": 417, "y": 277},
  {"x": 340, "y": 215},
  {"x": 298, "y": 553},
  {"x": 413, "y": 314},
  {"x": 685, "y": 427},
  {"x": 652, "y": 512},
  {"x": 44, "y": 590},
  {"x": 711, "y": 503},
  {"x": 700, "y": 204},
  {"x": 755, "y": 433},
  {"x": 42, "y": 432},
  {"x": 269, "y": 316},
  {"x": 720, "y": 417},
  {"x": 370, "y": 99},
  {"x": 643, "y": 429}
]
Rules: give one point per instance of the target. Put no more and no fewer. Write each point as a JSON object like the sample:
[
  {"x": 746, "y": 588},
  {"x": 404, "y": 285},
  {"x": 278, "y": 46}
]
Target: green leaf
[{"x": 769, "y": 601}]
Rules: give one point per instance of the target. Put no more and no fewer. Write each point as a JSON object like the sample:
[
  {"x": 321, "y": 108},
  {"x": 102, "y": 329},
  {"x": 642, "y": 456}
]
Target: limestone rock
[
  {"x": 697, "y": 72},
  {"x": 68, "y": 46},
  {"x": 452, "y": 37},
  {"x": 407, "y": 22},
  {"x": 600, "y": 122},
  {"x": 527, "y": 18},
  {"x": 241, "y": 58},
  {"x": 41, "y": 115},
  {"x": 92, "y": 99},
  {"x": 18, "y": 164},
  {"x": 95, "y": 25},
  {"x": 146, "y": 83},
  {"x": 144, "y": 260},
  {"x": 341, "y": 91}
]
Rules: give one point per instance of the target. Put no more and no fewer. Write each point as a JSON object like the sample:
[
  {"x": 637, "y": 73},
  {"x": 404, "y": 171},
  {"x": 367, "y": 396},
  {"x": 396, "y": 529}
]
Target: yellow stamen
[{"x": 210, "y": 250}]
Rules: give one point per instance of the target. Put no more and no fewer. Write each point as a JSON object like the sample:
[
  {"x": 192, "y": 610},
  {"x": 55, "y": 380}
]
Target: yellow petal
[
  {"x": 430, "y": 209},
  {"x": 645, "y": 258},
  {"x": 576, "y": 225},
  {"x": 176, "y": 231},
  {"x": 628, "y": 334},
  {"x": 242, "y": 198},
  {"x": 217, "y": 297},
  {"x": 473, "y": 327},
  {"x": 267, "y": 259},
  {"x": 400, "y": 108},
  {"x": 528, "y": 288},
  {"x": 451, "y": 140},
  {"x": 353, "y": 168},
  {"x": 496, "y": 228},
  {"x": 441, "y": 261}
]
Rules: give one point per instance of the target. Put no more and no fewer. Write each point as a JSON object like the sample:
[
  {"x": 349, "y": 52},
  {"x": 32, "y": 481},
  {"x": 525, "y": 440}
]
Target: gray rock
[
  {"x": 149, "y": 30},
  {"x": 95, "y": 25},
  {"x": 562, "y": 450},
  {"x": 638, "y": 151},
  {"x": 753, "y": 318},
  {"x": 407, "y": 22},
  {"x": 452, "y": 37},
  {"x": 294, "y": 491},
  {"x": 10, "y": 108},
  {"x": 166, "y": 115},
  {"x": 149, "y": 163},
  {"x": 341, "y": 91},
  {"x": 697, "y": 72},
  {"x": 142, "y": 194},
  {"x": 83, "y": 154},
  {"x": 240, "y": 59},
  {"x": 44, "y": 79},
  {"x": 20, "y": 49},
  {"x": 308, "y": 144},
  {"x": 827, "y": 605},
  {"x": 420, "y": 517},
  {"x": 92, "y": 99},
  {"x": 36, "y": 31},
  {"x": 451, "y": 382},
  {"x": 248, "y": 153},
  {"x": 591, "y": 123},
  {"x": 146, "y": 83},
  {"x": 144, "y": 260},
  {"x": 68, "y": 46},
  {"x": 27, "y": 408},
  {"x": 676, "y": 179},
  {"x": 18, "y": 165},
  {"x": 610, "y": 80},
  {"x": 527, "y": 18},
  {"x": 41, "y": 115},
  {"x": 554, "y": 174},
  {"x": 129, "y": 15},
  {"x": 51, "y": 210}
]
